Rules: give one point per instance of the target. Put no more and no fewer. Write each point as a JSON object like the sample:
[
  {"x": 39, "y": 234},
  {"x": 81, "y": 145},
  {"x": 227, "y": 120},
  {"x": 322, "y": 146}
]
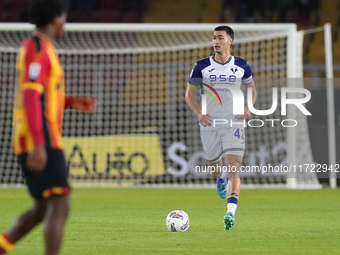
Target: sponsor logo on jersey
[
  {"x": 34, "y": 71},
  {"x": 212, "y": 89}
]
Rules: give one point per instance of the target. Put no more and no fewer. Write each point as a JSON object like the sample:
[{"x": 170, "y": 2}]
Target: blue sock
[{"x": 232, "y": 203}]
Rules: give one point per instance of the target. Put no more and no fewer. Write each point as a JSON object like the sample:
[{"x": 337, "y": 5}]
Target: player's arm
[
  {"x": 248, "y": 82},
  {"x": 247, "y": 113},
  {"x": 190, "y": 99},
  {"x": 81, "y": 103},
  {"x": 37, "y": 66},
  {"x": 194, "y": 82},
  {"x": 36, "y": 160}
]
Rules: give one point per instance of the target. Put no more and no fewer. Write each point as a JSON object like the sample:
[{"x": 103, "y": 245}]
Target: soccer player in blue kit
[{"x": 222, "y": 140}]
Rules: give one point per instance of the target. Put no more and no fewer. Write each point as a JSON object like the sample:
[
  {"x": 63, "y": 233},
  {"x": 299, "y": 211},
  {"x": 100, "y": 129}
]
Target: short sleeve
[
  {"x": 196, "y": 76},
  {"x": 247, "y": 77},
  {"x": 33, "y": 66}
]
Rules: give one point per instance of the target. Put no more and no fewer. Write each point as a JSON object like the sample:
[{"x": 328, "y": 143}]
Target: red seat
[
  {"x": 131, "y": 16},
  {"x": 2, "y": 6},
  {"x": 109, "y": 5},
  {"x": 17, "y": 6},
  {"x": 83, "y": 17},
  {"x": 14, "y": 17},
  {"x": 107, "y": 16}
]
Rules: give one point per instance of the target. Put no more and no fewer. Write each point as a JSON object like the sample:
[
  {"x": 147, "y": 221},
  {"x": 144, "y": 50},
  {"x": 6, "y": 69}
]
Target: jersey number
[{"x": 238, "y": 135}]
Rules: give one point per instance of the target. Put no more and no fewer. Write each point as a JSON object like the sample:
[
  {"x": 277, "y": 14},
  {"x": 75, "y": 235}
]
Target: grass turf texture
[{"x": 132, "y": 221}]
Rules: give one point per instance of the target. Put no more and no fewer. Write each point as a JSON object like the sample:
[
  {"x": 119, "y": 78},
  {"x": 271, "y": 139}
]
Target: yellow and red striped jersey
[{"x": 39, "y": 71}]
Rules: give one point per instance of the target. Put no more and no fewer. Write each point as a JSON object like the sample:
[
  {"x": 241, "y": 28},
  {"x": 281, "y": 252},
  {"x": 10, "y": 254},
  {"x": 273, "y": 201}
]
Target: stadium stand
[
  {"x": 83, "y": 11},
  {"x": 176, "y": 11},
  {"x": 211, "y": 8},
  {"x": 306, "y": 13}
]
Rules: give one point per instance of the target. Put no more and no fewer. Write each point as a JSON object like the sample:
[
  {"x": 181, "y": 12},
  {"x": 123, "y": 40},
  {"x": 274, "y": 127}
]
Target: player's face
[
  {"x": 221, "y": 42},
  {"x": 59, "y": 23}
]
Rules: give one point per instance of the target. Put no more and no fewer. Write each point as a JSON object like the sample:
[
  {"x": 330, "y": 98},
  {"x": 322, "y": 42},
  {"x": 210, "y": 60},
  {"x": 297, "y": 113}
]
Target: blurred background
[
  {"x": 122, "y": 98},
  {"x": 144, "y": 134},
  {"x": 305, "y": 13}
]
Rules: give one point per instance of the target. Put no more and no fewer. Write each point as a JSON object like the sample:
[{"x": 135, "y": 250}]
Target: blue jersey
[{"x": 207, "y": 73}]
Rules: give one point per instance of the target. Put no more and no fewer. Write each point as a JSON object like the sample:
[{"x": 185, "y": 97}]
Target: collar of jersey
[
  {"x": 213, "y": 57},
  {"x": 44, "y": 37}
]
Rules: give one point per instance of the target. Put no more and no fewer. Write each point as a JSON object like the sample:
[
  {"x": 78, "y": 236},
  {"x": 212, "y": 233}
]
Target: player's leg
[
  {"x": 233, "y": 143},
  {"x": 216, "y": 168},
  {"x": 56, "y": 192},
  {"x": 28, "y": 220},
  {"x": 24, "y": 224},
  {"x": 56, "y": 215},
  {"x": 233, "y": 163},
  {"x": 213, "y": 154},
  {"x": 216, "y": 171}
]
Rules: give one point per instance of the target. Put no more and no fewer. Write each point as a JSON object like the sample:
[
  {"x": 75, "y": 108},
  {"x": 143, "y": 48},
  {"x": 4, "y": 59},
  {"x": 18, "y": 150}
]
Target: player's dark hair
[
  {"x": 227, "y": 29},
  {"x": 42, "y": 12}
]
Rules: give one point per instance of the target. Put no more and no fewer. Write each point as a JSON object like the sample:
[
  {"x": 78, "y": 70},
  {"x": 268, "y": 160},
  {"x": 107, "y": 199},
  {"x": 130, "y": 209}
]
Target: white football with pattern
[{"x": 177, "y": 221}]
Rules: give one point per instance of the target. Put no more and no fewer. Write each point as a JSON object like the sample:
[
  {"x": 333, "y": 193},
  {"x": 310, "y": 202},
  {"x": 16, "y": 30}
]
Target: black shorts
[{"x": 53, "y": 180}]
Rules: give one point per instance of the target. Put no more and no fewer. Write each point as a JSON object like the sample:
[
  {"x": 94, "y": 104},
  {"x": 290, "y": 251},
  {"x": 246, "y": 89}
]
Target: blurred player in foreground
[
  {"x": 37, "y": 118},
  {"x": 222, "y": 140}
]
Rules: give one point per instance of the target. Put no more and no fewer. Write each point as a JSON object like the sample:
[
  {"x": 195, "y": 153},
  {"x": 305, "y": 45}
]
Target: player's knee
[
  {"x": 215, "y": 174},
  {"x": 233, "y": 175},
  {"x": 39, "y": 211},
  {"x": 215, "y": 169},
  {"x": 233, "y": 169},
  {"x": 63, "y": 210},
  {"x": 60, "y": 205}
]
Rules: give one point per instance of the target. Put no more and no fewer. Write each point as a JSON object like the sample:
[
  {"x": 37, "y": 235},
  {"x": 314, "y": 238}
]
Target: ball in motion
[{"x": 177, "y": 221}]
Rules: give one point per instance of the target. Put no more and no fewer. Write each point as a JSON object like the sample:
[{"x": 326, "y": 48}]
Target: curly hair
[{"x": 42, "y": 12}]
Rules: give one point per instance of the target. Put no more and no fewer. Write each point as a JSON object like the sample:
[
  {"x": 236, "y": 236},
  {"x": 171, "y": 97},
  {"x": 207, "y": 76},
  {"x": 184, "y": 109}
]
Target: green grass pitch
[{"x": 132, "y": 221}]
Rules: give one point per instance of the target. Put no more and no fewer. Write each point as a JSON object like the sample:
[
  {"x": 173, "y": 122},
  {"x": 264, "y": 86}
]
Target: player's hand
[
  {"x": 246, "y": 115},
  {"x": 84, "y": 104},
  {"x": 205, "y": 120},
  {"x": 36, "y": 160}
]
